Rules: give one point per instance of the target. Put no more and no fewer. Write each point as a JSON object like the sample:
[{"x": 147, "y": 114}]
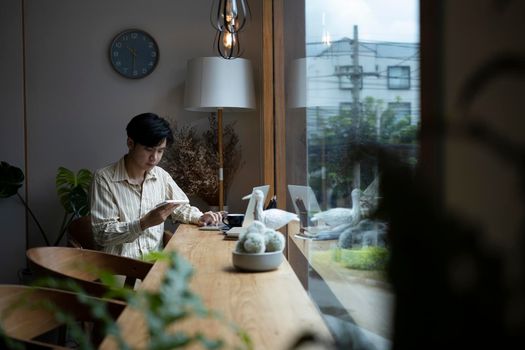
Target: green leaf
[
  {"x": 79, "y": 202},
  {"x": 65, "y": 177},
  {"x": 84, "y": 177},
  {"x": 11, "y": 179},
  {"x": 72, "y": 190}
]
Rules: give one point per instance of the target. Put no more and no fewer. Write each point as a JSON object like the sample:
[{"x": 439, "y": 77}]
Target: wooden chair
[
  {"x": 80, "y": 235},
  {"x": 80, "y": 265},
  {"x": 24, "y": 320}
]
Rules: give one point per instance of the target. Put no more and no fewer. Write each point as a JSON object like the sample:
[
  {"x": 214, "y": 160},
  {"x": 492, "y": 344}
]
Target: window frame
[
  {"x": 397, "y": 106},
  {"x": 389, "y": 77}
]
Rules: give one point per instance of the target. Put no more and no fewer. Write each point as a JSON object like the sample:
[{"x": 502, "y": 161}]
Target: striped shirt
[{"x": 117, "y": 206}]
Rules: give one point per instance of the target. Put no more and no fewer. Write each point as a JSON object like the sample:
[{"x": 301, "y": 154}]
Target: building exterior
[
  {"x": 388, "y": 72},
  {"x": 382, "y": 80}
]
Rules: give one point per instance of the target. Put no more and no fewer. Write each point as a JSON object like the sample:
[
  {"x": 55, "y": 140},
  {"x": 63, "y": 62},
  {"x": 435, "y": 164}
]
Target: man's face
[{"x": 145, "y": 157}]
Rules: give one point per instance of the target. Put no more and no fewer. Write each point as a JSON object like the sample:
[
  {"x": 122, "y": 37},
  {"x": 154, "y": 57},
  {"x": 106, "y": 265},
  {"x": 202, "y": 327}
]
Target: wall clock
[{"x": 133, "y": 53}]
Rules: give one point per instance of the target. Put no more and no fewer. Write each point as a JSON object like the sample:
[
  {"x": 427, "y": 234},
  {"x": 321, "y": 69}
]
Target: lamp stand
[{"x": 221, "y": 161}]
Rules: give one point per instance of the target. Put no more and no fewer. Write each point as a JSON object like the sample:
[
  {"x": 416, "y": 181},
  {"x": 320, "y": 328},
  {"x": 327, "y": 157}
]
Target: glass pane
[
  {"x": 399, "y": 77},
  {"x": 352, "y": 79}
]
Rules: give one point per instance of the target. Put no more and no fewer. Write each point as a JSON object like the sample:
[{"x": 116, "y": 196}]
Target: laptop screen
[{"x": 304, "y": 202}]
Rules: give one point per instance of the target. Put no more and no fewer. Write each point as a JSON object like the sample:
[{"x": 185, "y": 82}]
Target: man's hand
[
  {"x": 157, "y": 215},
  {"x": 211, "y": 218}
]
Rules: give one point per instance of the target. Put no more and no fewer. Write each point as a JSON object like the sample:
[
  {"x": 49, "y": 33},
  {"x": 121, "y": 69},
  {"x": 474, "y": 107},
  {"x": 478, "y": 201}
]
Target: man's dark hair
[{"x": 149, "y": 130}]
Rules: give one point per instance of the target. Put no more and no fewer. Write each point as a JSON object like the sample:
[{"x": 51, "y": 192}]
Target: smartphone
[{"x": 175, "y": 201}]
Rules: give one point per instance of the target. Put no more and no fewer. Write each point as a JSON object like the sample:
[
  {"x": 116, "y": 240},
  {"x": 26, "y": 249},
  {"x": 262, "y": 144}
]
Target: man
[{"x": 125, "y": 215}]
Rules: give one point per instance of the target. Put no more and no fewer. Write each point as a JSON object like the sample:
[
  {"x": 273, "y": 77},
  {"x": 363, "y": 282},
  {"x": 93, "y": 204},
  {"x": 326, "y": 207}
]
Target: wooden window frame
[{"x": 273, "y": 104}]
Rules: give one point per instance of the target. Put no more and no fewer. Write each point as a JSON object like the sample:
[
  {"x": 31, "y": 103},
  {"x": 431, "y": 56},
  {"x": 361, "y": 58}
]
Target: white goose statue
[
  {"x": 340, "y": 216},
  {"x": 272, "y": 218}
]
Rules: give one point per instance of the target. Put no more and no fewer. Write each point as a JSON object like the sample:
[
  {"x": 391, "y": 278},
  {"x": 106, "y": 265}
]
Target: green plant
[
  {"x": 368, "y": 258},
  {"x": 72, "y": 190},
  {"x": 11, "y": 179}
]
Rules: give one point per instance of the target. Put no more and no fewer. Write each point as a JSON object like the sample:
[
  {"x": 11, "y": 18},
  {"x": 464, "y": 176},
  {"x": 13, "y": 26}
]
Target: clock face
[{"x": 133, "y": 53}]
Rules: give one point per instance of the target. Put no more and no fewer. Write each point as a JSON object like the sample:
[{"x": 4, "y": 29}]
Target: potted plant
[
  {"x": 11, "y": 179},
  {"x": 72, "y": 190}
]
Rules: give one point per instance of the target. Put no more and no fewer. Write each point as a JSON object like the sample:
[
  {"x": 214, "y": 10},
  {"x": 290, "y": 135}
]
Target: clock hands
[{"x": 133, "y": 52}]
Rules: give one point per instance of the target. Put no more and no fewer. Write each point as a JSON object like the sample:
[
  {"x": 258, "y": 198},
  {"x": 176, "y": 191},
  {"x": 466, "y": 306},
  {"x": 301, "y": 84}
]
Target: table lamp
[{"x": 214, "y": 84}]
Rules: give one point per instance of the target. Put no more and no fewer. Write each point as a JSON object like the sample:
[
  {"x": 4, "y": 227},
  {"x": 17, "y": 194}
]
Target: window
[
  {"x": 327, "y": 163},
  {"x": 400, "y": 110},
  {"x": 399, "y": 77},
  {"x": 345, "y": 108},
  {"x": 346, "y": 75}
]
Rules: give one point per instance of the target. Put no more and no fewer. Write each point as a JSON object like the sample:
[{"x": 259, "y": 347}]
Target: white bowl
[{"x": 257, "y": 262}]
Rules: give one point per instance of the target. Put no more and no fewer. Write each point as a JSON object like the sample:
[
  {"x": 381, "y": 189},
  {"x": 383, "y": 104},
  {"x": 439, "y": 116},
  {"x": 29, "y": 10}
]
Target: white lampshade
[
  {"x": 215, "y": 82},
  {"x": 304, "y": 90},
  {"x": 296, "y": 84}
]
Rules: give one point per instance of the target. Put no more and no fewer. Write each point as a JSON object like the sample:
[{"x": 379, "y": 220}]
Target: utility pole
[
  {"x": 356, "y": 76},
  {"x": 321, "y": 125},
  {"x": 378, "y": 135}
]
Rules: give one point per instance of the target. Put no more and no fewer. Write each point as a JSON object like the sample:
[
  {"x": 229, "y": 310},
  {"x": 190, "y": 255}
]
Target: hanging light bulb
[
  {"x": 228, "y": 44},
  {"x": 229, "y": 40},
  {"x": 325, "y": 38},
  {"x": 228, "y": 17}
]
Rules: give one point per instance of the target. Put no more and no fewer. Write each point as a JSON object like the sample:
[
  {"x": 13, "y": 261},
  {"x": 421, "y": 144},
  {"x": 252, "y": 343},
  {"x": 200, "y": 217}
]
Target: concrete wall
[{"x": 78, "y": 106}]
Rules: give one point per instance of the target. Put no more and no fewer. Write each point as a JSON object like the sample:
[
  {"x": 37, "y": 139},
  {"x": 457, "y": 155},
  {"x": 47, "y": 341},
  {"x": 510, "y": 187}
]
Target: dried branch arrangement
[{"x": 193, "y": 159}]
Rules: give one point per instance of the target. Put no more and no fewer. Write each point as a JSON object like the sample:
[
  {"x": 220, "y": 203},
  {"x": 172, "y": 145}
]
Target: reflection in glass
[{"x": 342, "y": 95}]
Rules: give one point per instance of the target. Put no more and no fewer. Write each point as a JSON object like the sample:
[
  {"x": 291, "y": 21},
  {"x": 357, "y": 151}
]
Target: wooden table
[{"x": 272, "y": 307}]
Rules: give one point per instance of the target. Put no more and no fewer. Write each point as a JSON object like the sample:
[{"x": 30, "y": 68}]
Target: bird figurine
[
  {"x": 333, "y": 232},
  {"x": 272, "y": 218},
  {"x": 340, "y": 216}
]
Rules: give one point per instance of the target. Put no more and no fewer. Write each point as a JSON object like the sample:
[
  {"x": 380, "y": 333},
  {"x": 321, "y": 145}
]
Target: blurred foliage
[
  {"x": 172, "y": 302},
  {"x": 367, "y": 258},
  {"x": 341, "y": 137}
]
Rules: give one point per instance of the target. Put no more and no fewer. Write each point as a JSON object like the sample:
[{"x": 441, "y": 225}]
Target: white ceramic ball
[
  {"x": 275, "y": 242},
  {"x": 254, "y": 243}
]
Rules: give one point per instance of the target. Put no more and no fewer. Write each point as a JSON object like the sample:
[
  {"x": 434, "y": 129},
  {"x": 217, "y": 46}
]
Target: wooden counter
[{"x": 272, "y": 307}]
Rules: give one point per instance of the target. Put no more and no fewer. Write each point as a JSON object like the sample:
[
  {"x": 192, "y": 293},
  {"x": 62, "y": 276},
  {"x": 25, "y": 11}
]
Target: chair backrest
[
  {"x": 23, "y": 317},
  {"x": 81, "y": 265},
  {"x": 79, "y": 233}
]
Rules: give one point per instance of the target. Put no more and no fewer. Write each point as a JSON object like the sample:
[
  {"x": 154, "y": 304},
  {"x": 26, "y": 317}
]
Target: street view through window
[{"x": 355, "y": 83}]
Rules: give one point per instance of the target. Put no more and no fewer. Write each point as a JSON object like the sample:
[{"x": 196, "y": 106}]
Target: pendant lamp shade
[{"x": 215, "y": 83}]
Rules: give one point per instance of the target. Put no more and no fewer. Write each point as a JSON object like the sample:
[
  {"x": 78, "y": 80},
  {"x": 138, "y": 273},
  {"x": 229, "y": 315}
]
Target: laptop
[
  {"x": 305, "y": 205},
  {"x": 249, "y": 216}
]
